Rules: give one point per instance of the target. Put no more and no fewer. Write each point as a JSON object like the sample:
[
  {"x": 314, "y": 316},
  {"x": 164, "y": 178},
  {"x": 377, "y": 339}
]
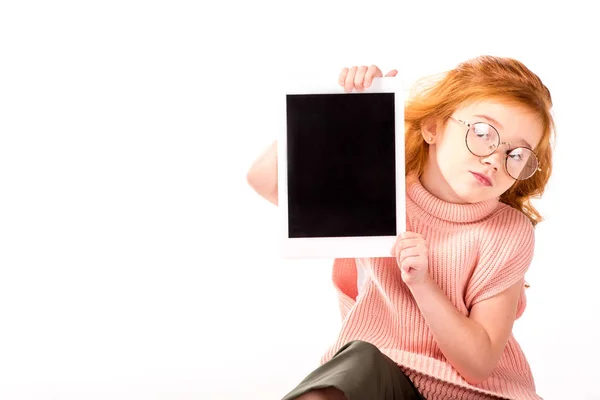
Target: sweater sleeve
[
  {"x": 344, "y": 277},
  {"x": 505, "y": 258}
]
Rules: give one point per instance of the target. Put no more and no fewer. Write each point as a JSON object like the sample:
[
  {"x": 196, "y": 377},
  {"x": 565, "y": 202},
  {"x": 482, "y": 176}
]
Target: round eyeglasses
[{"x": 482, "y": 140}]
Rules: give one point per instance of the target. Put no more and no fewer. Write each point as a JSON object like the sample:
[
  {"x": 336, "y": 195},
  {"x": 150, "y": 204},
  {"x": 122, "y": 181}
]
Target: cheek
[
  {"x": 504, "y": 183},
  {"x": 453, "y": 155}
]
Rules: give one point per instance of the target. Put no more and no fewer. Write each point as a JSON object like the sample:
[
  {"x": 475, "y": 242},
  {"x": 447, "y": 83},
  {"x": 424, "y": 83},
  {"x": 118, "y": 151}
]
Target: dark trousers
[{"x": 361, "y": 372}]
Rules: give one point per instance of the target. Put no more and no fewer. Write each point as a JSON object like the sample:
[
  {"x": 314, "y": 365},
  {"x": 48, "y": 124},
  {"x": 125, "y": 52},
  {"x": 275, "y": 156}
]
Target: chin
[{"x": 466, "y": 193}]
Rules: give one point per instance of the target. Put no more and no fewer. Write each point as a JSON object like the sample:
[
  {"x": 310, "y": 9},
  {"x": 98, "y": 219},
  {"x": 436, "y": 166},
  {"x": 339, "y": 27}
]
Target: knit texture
[{"x": 475, "y": 252}]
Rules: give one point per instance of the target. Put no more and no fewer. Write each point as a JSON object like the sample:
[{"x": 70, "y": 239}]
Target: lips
[{"x": 482, "y": 178}]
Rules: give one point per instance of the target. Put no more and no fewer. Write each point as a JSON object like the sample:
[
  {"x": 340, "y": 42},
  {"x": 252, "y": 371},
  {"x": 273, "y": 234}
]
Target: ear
[{"x": 429, "y": 131}]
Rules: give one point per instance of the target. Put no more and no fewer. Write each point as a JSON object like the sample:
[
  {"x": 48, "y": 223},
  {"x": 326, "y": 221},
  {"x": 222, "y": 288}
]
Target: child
[{"x": 434, "y": 320}]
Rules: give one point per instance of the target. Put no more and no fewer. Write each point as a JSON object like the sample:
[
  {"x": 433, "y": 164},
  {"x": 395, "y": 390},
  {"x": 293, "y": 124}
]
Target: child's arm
[
  {"x": 474, "y": 344},
  {"x": 262, "y": 176}
]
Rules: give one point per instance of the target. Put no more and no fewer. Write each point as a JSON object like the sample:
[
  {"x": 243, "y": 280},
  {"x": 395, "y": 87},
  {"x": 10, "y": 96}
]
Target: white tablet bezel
[{"x": 343, "y": 247}]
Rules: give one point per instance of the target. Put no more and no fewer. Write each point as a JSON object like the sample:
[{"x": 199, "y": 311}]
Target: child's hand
[
  {"x": 360, "y": 78},
  {"x": 412, "y": 257}
]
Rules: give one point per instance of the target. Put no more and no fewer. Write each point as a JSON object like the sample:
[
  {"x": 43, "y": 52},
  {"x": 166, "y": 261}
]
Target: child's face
[{"x": 464, "y": 173}]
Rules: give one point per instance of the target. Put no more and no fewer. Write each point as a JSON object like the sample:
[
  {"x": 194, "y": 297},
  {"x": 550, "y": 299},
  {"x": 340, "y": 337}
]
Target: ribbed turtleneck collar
[{"x": 450, "y": 212}]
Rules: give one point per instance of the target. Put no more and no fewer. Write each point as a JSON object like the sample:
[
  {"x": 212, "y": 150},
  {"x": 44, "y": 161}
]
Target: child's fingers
[
  {"x": 407, "y": 254},
  {"x": 359, "y": 78},
  {"x": 372, "y": 72},
  {"x": 411, "y": 242},
  {"x": 404, "y": 241},
  {"x": 396, "y": 249},
  {"x": 409, "y": 235},
  {"x": 342, "y": 77},
  {"x": 406, "y": 266},
  {"x": 349, "y": 84},
  {"x": 408, "y": 263}
]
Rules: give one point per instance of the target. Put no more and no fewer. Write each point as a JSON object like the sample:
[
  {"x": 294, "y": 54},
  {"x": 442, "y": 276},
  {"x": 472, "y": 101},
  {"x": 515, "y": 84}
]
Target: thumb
[{"x": 392, "y": 73}]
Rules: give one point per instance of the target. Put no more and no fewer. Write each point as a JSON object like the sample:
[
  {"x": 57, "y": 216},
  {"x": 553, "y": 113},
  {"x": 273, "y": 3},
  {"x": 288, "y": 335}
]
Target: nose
[
  {"x": 492, "y": 160},
  {"x": 496, "y": 158}
]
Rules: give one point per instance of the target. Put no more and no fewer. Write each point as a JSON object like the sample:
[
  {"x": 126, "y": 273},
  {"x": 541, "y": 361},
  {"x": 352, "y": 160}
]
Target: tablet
[{"x": 341, "y": 180}]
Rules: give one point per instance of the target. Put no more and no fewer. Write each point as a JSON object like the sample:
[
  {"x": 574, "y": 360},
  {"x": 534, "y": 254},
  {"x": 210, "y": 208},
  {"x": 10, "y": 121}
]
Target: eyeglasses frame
[{"x": 470, "y": 125}]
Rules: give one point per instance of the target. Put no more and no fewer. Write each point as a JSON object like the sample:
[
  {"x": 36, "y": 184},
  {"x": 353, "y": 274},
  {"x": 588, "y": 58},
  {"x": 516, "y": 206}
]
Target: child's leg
[{"x": 357, "y": 371}]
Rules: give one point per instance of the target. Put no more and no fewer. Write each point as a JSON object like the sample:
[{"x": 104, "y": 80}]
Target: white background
[{"x": 135, "y": 261}]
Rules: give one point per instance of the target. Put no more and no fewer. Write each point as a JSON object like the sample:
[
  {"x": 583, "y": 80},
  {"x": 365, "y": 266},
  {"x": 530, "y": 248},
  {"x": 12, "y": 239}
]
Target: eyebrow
[{"x": 499, "y": 125}]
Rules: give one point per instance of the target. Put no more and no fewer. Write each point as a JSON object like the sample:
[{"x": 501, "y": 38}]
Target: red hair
[{"x": 485, "y": 77}]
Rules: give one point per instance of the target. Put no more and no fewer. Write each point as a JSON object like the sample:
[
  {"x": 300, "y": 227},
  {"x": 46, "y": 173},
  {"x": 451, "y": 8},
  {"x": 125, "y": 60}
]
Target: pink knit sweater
[{"x": 475, "y": 252}]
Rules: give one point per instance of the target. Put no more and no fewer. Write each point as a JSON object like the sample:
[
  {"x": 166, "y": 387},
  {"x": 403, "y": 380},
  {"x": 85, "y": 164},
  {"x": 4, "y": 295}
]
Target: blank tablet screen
[{"x": 341, "y": 165}]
